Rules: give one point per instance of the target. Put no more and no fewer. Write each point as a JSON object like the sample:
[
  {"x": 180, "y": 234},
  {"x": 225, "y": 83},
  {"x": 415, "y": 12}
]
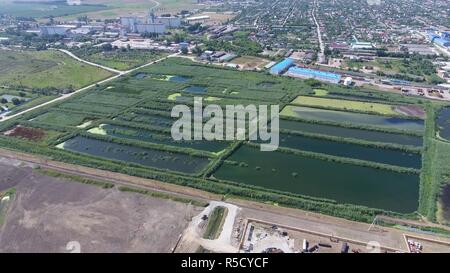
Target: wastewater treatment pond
[
  {"x": 343, "y": 183},
  {"x": 142, "y": 156}
]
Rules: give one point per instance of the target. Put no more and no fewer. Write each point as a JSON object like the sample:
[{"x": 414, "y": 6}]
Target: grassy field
[
  {"x": 61, "y": 118},
  {"x": 320, "y": 92},
  {"x": 4, "y": 204},
  {"x": 377, "y": 108},
  {"x": 117, "y": 8},
  {"x": 44, "y": 10},
  {"x": 412, "y": 67},
  {"x": 46, "y": 69},
  {"x": 123, "y": 60},
  {"x": 215, "y": 223}
]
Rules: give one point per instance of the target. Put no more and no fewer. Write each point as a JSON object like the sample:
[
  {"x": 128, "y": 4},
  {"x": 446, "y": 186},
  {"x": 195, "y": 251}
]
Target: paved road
[
  {"x": 90, "y": 63},
  {"x": 66, "y": 96},
  {"x": 319, "y": 34}
]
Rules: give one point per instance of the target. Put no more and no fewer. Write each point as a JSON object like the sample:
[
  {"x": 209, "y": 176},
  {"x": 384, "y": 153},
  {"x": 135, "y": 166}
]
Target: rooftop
[{"x": 314, "y": 73}]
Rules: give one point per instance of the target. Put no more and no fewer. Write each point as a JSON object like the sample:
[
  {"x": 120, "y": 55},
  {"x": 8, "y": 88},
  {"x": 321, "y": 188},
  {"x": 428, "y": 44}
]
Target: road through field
[
  {"x": 90, "y": 63},
  {"x": 66, "y": 96}
]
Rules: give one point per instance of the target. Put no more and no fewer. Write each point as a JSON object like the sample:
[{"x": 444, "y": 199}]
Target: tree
[
  {"x": 83, "y": 18},
  {"x": 197, "y": 51},
  {"x": 107, "y": 47},
  {"x": 313, "y": 82},
  {"x": 22, "y": 94},
  {"x": 4, "y": 101},
  {"x": 16, "y": 101},
  {"x": 184, "y": 51},
  {"x": 327, "y": 51},
  {"x": 178, "y": 38}
]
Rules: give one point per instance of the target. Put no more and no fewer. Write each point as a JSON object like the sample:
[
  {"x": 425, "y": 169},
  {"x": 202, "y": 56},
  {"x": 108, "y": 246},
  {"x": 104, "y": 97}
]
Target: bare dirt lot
[
  {"x": 216, "y": 18},
  {"x": 250, "y": 62},
  {"x": 48, "y": 212},
  {"x": 27, "y": 133}
]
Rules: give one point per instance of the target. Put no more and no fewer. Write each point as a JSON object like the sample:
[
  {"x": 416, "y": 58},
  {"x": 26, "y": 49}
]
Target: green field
[
  {"x": 46, "y": 69},
  {"x": 127, "y": 126},
  {"x": 4, "y": 204},
  {"x": 215, "y": 223},
  {"x": 117, "y": 8},
  {"x": 61, "y": 118},
  {"x": 346, "y": 105},
  {"x": 414, "y": 68}
]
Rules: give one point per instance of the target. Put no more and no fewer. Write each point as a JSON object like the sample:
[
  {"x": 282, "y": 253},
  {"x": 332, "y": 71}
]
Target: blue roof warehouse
[
  {"x": 281, "y": 67},
  {"x": 306, "y": 73}
]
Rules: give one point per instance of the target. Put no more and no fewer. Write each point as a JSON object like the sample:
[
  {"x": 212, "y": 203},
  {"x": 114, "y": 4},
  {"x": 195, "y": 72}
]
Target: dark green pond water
[
  {"x": 351, "y": 133},
  {"x": 341, "y": 182},
  {"x": 195, "y": 89},
  {"x": 386, "y": 156},
  {"x": 143, "y": 156},
  {"x": 148, "y": 136},
  {"x": 443, "y": 122},
  {"x": 178, "y": 79},
  {"x": 361, "y": 119}
]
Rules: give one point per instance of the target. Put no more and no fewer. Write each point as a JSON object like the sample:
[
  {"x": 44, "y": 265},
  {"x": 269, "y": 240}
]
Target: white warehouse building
[
  {"x": 169, "y": 22},
  {"x": 150, "y": 28}
]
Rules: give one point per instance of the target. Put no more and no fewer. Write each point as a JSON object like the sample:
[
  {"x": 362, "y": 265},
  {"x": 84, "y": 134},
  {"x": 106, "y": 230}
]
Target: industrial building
[
  {"x": 281, "y": 67},
  {"x": 358, "y": 45},
  {"x": 432, "y": 35},
  {"x": 197, "y": 19},
  {"x": 442, "y": 42},
  {"x": 55, "y": 30},
  {"x": 425, "y": 50},
  {"x": 129, "y": 23},
  {"x": 362, "y": 45},
  {"x": 306, "y": 73},
  {"x": 441, "y": 39},
  {"x": 149, "y": 24},
  {"x": 150, "y": 28},
  {"x": 169, "y": 22},
  {"x": 348, "y": 81}
]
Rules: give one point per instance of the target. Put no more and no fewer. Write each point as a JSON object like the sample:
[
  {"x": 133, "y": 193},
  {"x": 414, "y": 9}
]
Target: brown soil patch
[
  {"x": 411, "y": 110},
  {"x": 26, "y": 132}
]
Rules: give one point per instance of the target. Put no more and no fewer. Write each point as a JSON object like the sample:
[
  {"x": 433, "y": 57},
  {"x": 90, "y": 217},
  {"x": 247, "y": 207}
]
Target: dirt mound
[{"x": 410, "y": 110}]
